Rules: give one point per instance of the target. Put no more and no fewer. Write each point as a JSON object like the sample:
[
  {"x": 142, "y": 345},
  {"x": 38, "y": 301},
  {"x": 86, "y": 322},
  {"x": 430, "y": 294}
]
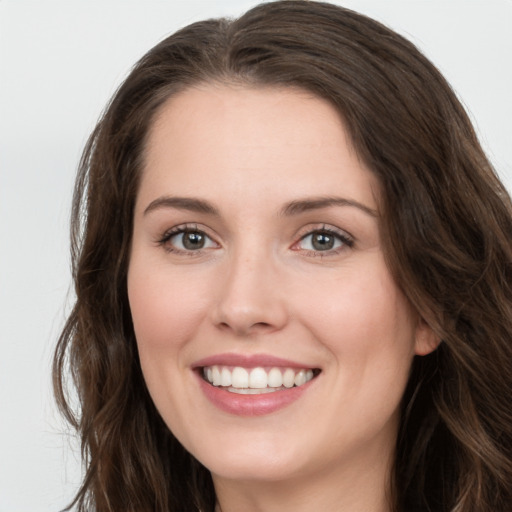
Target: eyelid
[
  {"x": 184, "y": 228},
  {"x": 346, "y": 238}
]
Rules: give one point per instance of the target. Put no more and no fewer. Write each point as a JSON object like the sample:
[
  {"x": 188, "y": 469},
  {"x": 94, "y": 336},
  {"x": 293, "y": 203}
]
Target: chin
[
  {"x": 259, "y": 460},
  {"x": 262, "y": 469}
]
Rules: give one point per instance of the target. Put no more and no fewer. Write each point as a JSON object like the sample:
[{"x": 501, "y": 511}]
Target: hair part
[{"x": 447, "y": 230}]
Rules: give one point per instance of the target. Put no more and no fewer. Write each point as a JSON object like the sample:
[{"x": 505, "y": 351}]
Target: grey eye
[
  {"x": 191, "y": 241},
  {"x": 321, "y": 241}
]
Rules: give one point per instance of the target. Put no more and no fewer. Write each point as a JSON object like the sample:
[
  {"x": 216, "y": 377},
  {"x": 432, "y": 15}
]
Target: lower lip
[{"x": 251, "y": 405}]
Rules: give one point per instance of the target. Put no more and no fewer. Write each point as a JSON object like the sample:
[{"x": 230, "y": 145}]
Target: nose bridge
[{"x": 251, "y": 297}]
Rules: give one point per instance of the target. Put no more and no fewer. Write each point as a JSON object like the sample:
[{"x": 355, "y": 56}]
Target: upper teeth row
[{"x": 256, "y": 378}]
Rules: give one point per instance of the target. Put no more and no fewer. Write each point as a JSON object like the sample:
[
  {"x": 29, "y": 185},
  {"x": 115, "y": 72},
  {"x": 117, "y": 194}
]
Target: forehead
[{"x": 218, "y": 140}]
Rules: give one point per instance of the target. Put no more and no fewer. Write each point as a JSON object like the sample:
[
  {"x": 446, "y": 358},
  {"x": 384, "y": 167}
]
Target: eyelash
[
  {"x": 346, "y": 240},
  {"x": 182, "y": 229}
]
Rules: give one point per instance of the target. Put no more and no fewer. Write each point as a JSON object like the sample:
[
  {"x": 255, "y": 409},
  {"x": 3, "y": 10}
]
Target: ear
[{"x": 426, "y": 341}]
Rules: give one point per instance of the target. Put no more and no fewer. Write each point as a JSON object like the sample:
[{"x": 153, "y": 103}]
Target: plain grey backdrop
[{"x": 60, "y": 61}]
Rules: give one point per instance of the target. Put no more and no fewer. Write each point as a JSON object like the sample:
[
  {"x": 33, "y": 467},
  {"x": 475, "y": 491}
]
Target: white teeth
[
  {"x": 288, "y": 378},
  {"x": 216, "y": 376},
  {"x": 225, "y": 377},
  {"x": 239, "y": 378},
  {"x": 249, "y": 391},
  {"x": 275, "y": 378},
  {"x": 300, "y": 378},
  {"x": 256, "y": 380}
]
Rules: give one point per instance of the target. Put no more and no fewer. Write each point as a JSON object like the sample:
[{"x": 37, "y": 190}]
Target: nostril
[{"x": 263, "y": 325}]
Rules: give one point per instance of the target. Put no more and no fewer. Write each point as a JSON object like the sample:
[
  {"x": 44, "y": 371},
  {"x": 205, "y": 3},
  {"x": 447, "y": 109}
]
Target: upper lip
[{"x": 249, "y": 361}]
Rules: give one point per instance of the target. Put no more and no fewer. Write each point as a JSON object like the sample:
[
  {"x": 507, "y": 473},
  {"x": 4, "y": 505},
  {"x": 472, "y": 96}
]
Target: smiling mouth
[{"x": 259, "y": 380}]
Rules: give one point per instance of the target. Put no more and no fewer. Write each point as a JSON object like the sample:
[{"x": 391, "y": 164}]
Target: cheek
[
  {"x": 165, "y": 309},
  {"x": 368, "y": 327},
  {"x": 363, "y": 317}
]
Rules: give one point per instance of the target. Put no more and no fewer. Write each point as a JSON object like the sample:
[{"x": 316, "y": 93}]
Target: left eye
[
  {"x": 191, "y": 241},
  {"x": 322, "y": 241}
]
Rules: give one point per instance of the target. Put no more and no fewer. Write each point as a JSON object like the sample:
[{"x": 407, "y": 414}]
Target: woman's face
[{"x": 257, "y": 261}]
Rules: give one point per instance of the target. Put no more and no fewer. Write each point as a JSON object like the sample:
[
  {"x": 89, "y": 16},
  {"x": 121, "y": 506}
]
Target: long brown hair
[{"x": 447, "y": 226}]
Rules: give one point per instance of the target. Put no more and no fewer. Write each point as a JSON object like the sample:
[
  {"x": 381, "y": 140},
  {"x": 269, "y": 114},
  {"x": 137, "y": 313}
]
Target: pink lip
[
  {"x": 248, "y": 361},
  {"x": 249, "y": 405}
]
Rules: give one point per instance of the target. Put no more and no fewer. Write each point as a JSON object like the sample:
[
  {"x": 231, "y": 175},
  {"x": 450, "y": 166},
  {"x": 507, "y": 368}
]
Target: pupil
[
  {"x": 193, "y": 240},
  {"x": 323, "y": 241}
]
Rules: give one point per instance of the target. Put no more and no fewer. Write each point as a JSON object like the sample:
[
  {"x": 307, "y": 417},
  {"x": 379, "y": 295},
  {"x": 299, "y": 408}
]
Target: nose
[{"x": 251, "y": 296}]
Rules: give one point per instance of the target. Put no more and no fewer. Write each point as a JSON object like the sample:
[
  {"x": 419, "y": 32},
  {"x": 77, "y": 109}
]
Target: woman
[{"x": 293, "y": 273}]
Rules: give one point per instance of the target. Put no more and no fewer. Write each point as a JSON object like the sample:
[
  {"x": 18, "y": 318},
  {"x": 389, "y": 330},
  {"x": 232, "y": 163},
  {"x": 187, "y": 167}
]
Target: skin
[{"x": 259, "y": 286}]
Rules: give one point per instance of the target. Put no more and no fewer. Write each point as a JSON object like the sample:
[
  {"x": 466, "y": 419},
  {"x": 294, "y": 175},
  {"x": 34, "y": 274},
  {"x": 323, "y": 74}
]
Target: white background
[{"x": 60, "y": 61}]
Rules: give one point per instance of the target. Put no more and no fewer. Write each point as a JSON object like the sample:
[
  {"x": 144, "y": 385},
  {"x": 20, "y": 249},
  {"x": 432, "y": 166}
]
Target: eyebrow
[
  {"x": 290, "y": 209},
  {"x": 317, "y": 203},
  {"x": 182, "y": 203}
]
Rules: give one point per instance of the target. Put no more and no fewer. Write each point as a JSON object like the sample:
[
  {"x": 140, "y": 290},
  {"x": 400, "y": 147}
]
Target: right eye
[{"x": 187, "y": 240}]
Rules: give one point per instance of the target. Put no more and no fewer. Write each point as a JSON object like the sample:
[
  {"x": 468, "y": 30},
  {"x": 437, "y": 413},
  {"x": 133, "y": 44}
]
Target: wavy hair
[{"x": 447, "y": 230}]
